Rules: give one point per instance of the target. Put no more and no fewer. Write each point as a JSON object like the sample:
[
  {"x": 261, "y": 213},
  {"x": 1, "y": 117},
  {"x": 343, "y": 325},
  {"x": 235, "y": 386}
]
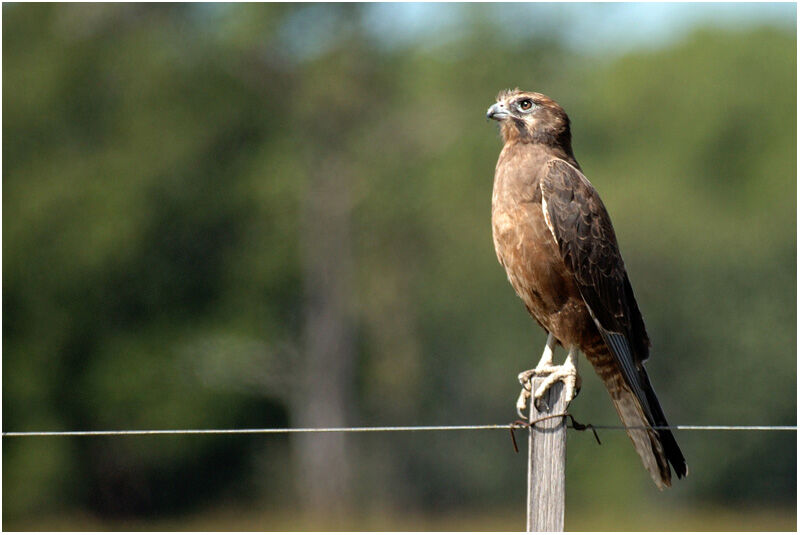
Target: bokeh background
[{"x": 245, "y": 215}]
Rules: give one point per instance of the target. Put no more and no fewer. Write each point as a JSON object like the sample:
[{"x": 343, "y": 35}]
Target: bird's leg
[
  {"x": 567, "y": 372},
  {"x": 544, "y": 367}
]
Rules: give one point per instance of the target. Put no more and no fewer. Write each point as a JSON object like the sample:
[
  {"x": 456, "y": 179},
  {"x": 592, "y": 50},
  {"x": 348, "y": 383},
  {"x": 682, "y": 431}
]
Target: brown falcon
[{"x": 554, "y": 237}]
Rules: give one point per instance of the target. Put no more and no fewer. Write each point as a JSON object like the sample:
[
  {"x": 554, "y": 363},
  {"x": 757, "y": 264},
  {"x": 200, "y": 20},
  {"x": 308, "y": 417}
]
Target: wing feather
[{"x": 588, "y": 245}]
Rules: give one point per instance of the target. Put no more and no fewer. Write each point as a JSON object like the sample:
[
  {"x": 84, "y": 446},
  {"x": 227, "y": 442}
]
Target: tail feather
[
  {"x": 668, "y": 442},
  {"x": 645, "y": 440},
  {"x": 657, "y": 448}
]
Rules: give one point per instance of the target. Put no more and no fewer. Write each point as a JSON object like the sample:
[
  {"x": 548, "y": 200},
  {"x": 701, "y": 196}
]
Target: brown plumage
[{"x": 554, "y": 237}]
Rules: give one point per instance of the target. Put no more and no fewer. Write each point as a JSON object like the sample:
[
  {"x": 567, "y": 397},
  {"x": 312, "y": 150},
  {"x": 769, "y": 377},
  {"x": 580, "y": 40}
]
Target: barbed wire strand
[{"x": 381, "y": 429}]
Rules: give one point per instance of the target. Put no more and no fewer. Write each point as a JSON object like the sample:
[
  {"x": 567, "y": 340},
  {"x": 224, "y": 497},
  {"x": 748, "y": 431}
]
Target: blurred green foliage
[{"x": 156, "y": 159}]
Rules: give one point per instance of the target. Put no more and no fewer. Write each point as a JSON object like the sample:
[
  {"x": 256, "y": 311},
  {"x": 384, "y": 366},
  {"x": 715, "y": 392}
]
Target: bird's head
[{"x": 529, "y": 117}]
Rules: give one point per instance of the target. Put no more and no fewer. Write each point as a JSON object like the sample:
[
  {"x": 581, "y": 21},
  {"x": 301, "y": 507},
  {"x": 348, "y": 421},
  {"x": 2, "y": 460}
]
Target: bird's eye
[{"x": 525, "y": 105}]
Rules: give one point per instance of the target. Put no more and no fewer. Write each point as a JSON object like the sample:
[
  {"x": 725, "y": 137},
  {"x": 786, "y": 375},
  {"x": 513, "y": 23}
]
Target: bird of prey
[{"x": 553, "y": 236}]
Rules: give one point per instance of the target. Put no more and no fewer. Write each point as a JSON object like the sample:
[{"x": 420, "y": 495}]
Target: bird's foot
[{"x": 567, "y": 373}]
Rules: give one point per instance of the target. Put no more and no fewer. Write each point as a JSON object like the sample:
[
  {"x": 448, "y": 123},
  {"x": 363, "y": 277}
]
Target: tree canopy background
[{"x": 275, "y": 215}]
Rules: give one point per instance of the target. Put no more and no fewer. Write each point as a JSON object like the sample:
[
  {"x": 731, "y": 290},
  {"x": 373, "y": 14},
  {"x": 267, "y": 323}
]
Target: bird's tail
[{"x": 656, "y": 447}]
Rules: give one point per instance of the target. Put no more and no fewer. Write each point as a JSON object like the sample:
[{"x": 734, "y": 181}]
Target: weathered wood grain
[{"x": 547, "y": 455}]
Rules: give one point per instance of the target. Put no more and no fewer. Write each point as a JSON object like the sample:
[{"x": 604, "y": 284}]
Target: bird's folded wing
[{"x": 582, "y": 229}]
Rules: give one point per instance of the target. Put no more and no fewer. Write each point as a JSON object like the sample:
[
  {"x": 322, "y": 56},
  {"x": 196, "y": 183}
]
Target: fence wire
[{"x": 379, "y": 429}]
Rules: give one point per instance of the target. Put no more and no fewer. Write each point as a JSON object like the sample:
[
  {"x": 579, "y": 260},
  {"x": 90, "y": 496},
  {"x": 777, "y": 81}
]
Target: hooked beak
[{"x": 498, "y": 112}]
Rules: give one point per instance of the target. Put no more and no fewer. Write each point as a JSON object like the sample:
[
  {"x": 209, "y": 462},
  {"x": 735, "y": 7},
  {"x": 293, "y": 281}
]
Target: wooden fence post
[{"x": 547, "y": 453}]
